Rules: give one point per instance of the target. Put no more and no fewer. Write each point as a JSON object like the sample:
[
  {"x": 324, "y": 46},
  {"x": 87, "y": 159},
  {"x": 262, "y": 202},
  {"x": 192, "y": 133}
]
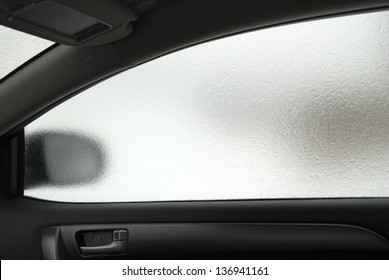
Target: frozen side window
[{"x": 297, "y": 111}]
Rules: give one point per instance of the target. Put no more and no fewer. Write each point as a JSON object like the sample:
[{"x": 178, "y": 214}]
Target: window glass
[
  {"x": 297, "y": 111},
  {"x": 17, "y": 47}
]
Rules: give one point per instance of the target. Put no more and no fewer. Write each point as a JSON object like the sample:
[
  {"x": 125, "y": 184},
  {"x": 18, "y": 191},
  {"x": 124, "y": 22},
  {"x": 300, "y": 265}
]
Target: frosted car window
[
  {"x": 17, "y": 47},
  {"x": 298, "y": 111}
]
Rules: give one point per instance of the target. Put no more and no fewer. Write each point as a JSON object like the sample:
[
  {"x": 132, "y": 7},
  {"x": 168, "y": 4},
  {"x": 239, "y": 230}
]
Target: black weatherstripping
[
  {"x": 12, "y": 165},
  {"x": 25, "y": 219}
]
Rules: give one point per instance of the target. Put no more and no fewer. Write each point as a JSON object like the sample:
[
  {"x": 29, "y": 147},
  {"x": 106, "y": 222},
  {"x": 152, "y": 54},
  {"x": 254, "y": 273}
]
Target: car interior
[{"x": 48, "y": 206}]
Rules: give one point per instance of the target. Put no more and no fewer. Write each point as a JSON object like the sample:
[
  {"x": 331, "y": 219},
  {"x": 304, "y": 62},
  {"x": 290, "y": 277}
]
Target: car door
[{"x": 268, "y": 144}]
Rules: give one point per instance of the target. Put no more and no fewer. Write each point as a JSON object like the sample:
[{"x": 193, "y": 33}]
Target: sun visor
[{"x": 71, "y": 22}]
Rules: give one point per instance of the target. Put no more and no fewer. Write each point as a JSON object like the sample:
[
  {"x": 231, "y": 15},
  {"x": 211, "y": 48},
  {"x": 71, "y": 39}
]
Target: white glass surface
[
  {"x": 17, "y": 47},
  {"x": 298, "y": 111}
]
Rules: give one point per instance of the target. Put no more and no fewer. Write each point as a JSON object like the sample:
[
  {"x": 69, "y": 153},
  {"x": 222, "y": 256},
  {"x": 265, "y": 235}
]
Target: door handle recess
[{"x": 119, "y": 245}]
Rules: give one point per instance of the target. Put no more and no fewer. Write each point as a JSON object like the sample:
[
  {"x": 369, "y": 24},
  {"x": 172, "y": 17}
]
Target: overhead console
[{"x": 74, "y": 22}]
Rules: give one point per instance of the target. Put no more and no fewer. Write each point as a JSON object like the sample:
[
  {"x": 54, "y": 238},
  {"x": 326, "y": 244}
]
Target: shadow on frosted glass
[{"x": 62, "y": 159}]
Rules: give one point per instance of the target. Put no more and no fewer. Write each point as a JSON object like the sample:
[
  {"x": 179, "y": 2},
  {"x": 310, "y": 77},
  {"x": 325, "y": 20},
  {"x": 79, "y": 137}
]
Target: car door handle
[
  {"x": 116, "y": 247},
  {"x": 119, "y": 245}
]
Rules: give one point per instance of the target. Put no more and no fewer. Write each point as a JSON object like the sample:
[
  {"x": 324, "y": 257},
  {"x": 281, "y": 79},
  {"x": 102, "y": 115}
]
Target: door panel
[
  {"x": 207, "y": 239},
  {"x": 153, "y": 227}
]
